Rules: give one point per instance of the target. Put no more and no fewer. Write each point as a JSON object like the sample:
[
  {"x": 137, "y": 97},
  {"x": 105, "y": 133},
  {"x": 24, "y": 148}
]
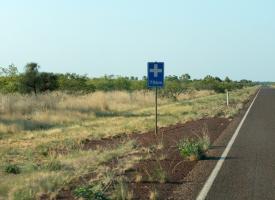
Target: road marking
[{"x": 207, "y": 186}]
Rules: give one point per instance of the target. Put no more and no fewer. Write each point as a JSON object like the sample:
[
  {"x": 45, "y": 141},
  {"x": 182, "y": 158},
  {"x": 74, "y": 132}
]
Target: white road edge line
[{"x": 207, "y": 186}]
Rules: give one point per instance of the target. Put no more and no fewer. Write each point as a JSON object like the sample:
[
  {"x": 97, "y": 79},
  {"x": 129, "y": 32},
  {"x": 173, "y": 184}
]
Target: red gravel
[{"x": 165, "y": 161}]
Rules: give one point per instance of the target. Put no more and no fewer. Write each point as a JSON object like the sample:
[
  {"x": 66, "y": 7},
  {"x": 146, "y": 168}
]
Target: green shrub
[
  {"x": 194, "y": 148},
  {"x": 89, "y": 193},
  {"x": 12, "y": 169}
]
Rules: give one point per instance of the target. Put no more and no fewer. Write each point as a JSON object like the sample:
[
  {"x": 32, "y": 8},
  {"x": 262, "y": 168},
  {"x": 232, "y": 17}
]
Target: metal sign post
[
  {"x": 156, "y": 80},
  {"x": 156, "y": 111}
]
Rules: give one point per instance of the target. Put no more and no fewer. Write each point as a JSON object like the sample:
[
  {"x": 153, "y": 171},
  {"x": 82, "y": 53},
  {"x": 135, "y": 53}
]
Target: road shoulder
[{"x": 196, "y": 179}]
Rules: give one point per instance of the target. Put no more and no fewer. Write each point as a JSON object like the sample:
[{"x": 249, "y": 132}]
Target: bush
[
  {"x": 12, "y": 169},
  {"x": 89, "y": 193},
  {"x": 74, "y": 83},
  {"x": 194, "y": 148}
]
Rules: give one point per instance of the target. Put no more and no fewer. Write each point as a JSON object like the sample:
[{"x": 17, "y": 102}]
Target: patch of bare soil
[
  {"x": 162, "y": 167},
  {"x": 166, "y": 168},
  {"x": 170, "y": 134}
]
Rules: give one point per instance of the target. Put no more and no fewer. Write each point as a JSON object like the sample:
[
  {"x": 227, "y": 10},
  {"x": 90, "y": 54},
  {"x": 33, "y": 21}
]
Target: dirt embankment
[{"x": 162, "y": 167}]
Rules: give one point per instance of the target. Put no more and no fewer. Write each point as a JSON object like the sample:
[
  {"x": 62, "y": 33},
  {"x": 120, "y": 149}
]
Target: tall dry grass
[
  {"x": 30, "y": 112},
  {"x": 48, "y": 110},
  {"x": 52, "y": 110},
  {"x": 12, "y": 104},
  {"x": 194, "y": 94}
]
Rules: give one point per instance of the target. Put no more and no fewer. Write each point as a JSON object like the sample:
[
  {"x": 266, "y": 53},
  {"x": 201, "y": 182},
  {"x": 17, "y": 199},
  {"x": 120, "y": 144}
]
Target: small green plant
[
  {"x": 12, "y": 169},
  {"x": 194, "y": 148},
  {"x": 89, "y": 193}
]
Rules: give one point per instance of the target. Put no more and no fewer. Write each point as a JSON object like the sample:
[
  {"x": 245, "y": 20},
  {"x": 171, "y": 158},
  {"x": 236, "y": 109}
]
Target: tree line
[{"x": 34, "y": 81}]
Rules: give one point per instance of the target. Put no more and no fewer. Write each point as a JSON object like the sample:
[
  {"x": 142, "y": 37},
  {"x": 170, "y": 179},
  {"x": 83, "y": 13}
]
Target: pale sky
[{"x": 234, "y": 38}]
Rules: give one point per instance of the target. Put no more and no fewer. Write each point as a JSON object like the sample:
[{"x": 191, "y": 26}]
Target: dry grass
[
  {"x": 192, "y": 94},
  {"x": 35, "y": 132},
  {"x": 13, "y": 104},
  {"x": 153, "y": 195}
]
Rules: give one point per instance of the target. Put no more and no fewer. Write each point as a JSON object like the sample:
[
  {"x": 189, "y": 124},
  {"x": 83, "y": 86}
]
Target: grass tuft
[
  {"x": 153, "y": 195},
  {"x": 138, "y": 178},
  {"x": 89, "y": 193},
  {"x": 160, "y": 175},
  {"x": 121, "y": 190},
  {"x": 194, "y": 148},
  {"x": 54, "y": 165}
]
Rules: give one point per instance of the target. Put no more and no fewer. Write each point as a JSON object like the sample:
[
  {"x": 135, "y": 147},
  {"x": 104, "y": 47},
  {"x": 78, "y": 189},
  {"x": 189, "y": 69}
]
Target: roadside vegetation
[
  {"x": 194, "y": 148},
  {"x": 43, "y": 132},
  {"x": 34, "y": 81},
  {"x": 42, "y": 136}
]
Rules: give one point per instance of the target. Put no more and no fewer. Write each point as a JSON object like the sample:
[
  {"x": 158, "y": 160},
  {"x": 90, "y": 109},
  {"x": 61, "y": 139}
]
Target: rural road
[{"x": 248, "y": 172}]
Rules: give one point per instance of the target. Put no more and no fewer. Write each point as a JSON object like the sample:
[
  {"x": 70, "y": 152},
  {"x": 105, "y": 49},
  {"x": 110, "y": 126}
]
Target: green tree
[
  {"x": 10, "y": 71},
  {"x": 30, "y": 80},
  {"x": 227, "y": 79},
  {"x": 185, "y": 77},
  {"x": 74, "y": 83},
  {"x": 47, "y": 82},
  {"x": 9, "y": 80}
]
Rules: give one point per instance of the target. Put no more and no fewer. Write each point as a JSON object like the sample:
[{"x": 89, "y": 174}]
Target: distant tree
[
  {"x": 185, "y": 77},
  {"x": 103, "y": 83},
  {"x": 9, "y": 80},
  {"x": 245, "y": 82},
  {"x": 171, "y": 78},
  {"x": 10, "y": 71},
  {"x": 212, "y": 83},
  {"x": 227, "y": 79},
  {"x": 209, "y": 78},
  {"x": 132, "y": 78},
  {"x": 122, "y": 83},
  {"x": 47, "y": 82},
  {"x": 30, "y": 80},
  {"x": 218, "y": 79},
  {"x": 75, "y": 83},
  {"x": 138, "y": 85}
]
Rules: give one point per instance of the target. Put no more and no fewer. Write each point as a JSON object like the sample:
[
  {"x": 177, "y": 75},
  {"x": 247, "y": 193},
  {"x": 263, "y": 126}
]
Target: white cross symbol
[{"x": 156, "y": 70}]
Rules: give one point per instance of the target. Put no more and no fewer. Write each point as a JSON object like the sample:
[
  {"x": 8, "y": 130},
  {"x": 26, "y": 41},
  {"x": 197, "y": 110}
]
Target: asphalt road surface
[{"x": 249, "y": 169}]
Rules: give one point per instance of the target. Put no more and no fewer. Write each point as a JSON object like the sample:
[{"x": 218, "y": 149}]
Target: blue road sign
[{"x": 155, "y": 74}]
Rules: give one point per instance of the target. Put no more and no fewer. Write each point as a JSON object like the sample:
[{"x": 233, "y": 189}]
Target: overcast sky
[{"x": 234, "y": 38}]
